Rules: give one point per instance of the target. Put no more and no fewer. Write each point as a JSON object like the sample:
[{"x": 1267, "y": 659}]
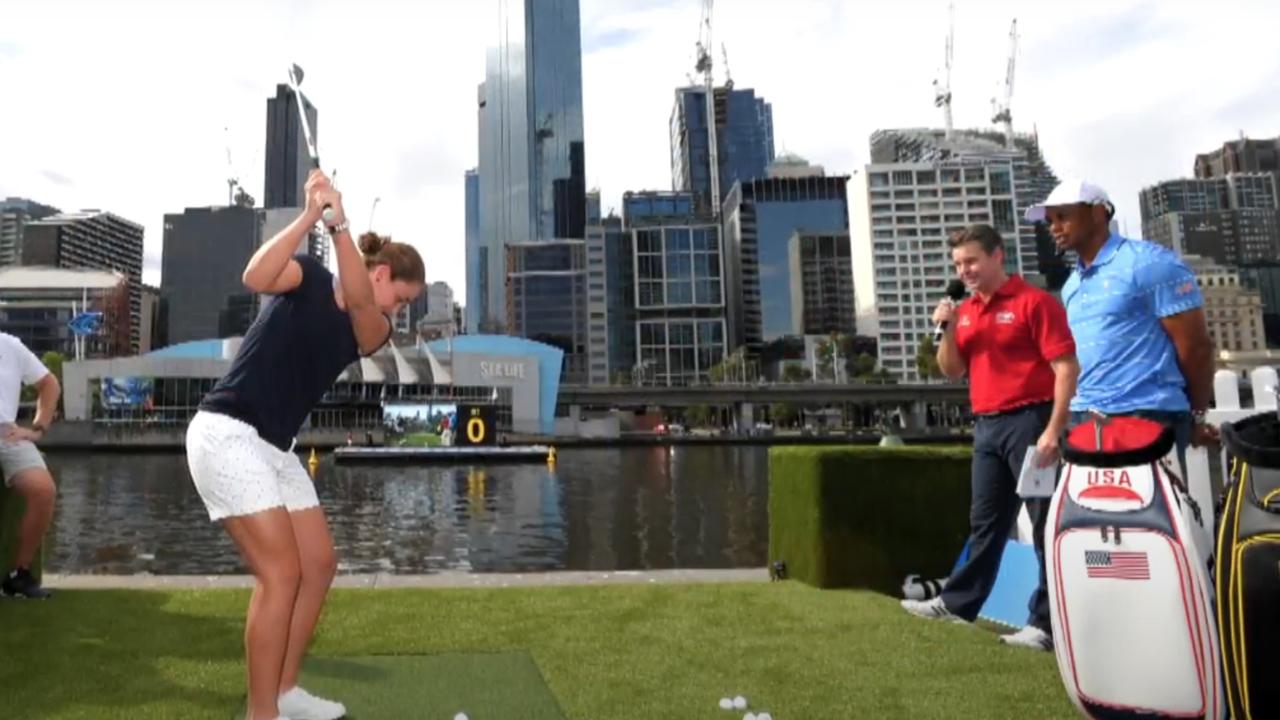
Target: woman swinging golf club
[{"x": 239, "y": 444}]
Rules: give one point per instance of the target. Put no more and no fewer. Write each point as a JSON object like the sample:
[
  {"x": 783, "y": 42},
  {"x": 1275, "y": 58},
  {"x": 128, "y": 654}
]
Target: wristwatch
[
  {"x": 341, "y": 227},
  {"x": 1198, "y": 417}
]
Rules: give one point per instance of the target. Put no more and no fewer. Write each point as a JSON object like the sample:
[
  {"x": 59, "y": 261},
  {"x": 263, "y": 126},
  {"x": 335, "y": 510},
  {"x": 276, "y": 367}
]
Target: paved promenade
[{"x": 448, "y": 579}]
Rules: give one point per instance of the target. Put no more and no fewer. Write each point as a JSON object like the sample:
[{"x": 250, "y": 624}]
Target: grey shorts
[{"x": 19, "y": 456}]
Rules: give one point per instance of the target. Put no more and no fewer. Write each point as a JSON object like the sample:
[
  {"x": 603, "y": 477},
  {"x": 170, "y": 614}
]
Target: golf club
[{"x": 295, "y": 79}]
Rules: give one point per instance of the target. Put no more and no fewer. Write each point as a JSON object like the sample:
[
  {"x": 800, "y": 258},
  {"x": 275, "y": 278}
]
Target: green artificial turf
[{"x": 621, "y": 651}]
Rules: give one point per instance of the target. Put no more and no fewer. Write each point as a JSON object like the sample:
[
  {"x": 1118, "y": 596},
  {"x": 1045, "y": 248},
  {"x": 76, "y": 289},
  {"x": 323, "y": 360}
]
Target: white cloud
[{"x": 123, "y": 105}]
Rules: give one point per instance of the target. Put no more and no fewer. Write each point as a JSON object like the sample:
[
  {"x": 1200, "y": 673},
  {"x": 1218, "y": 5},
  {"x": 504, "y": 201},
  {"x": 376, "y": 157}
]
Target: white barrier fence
[{"x": 1226, "y": 408}]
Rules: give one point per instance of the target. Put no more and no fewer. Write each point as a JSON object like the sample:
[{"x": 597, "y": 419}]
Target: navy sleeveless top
[{"x": 292, "y": 354}]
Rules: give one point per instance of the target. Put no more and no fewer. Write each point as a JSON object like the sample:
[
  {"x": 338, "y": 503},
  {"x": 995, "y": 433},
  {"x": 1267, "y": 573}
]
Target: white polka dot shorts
[{"x": 238, "y": 473}]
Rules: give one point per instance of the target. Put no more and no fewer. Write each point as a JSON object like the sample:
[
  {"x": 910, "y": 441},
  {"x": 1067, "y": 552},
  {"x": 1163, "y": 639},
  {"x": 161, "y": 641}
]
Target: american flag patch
[{"x": 1117, "y": 565}]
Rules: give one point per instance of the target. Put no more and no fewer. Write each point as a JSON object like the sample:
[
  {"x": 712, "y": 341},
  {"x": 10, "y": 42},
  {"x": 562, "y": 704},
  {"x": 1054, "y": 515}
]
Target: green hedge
[
  {"x": 11, "y": 506},
  {"x": 866, "y": 517}
]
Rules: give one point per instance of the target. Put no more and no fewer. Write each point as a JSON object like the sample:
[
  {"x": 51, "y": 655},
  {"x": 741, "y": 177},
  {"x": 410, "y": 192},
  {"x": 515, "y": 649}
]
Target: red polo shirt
[{"x": 1008, "y": 341}]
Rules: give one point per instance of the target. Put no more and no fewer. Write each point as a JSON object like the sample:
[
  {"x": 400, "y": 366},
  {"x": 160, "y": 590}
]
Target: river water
[{"x": 594, "y": 509}]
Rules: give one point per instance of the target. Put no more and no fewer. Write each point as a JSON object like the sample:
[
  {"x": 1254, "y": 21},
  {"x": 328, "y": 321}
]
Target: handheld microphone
[{"x": 955, "y": 291}]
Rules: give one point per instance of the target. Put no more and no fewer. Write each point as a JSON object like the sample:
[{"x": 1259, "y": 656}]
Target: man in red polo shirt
[{"x": 1013, "y": 341}]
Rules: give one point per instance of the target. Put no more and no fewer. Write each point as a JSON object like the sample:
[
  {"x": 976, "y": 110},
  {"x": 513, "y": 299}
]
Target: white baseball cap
[{"x": 1071, "y": 192}]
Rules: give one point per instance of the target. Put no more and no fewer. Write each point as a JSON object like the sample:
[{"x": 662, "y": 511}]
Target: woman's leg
[
  {"x": 266, "y": 542},
  {"x": 318, "y": 563}
]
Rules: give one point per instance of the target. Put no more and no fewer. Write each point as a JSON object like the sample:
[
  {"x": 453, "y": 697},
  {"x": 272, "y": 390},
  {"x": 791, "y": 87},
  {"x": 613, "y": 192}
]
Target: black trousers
[{"x": 1000, "y": 443}]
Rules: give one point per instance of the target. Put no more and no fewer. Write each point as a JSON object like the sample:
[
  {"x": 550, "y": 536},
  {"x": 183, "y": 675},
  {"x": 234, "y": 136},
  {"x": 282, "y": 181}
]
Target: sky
[{"x": 133, "y": 106}]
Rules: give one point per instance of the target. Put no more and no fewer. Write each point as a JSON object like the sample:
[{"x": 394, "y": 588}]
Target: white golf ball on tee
[
  {"x": 740, "y": 703},
  {"x": 726, "y": 704}
]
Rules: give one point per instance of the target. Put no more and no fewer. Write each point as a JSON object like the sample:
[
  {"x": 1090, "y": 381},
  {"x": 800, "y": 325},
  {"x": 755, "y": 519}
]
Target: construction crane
[
  {"x": 232, "y": 181},
  {"x": 1001, "y": 111},
  {"x": 703, "y": 66},
  {"x": 942, "y": 92},
  {"x": 728, "y": 78}
]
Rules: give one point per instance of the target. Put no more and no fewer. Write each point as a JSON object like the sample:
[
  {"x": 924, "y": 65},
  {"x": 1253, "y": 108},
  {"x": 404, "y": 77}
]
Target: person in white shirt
[{"x": 21, "y": 463}]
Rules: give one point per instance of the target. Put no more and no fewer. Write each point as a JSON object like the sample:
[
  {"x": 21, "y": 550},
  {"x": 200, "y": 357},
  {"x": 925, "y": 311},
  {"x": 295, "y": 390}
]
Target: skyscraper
[
  {"x": 760, "y": 216},
  {"x": 15, "y": 213},
  {"x": 532, "y": 162},
  {"x": 92, "y": 240},
  {"x": 744, "y": 141},
  {"x": 287, "y": 160},
  {"x": 477, "y": 256}
]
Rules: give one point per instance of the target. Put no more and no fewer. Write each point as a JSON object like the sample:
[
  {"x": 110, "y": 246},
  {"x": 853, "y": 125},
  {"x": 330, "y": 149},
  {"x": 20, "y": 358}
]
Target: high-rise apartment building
[
  {"x": 904, "y": 213},
  {"x": 1030, "y": 249},
  {"x": 91, "y": 240}
]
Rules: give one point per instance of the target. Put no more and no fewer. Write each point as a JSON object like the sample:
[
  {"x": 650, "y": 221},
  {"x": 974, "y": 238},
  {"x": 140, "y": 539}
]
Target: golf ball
[
  {"x": 726, "y": 704},
  {"x": 460, "y": 716},
  {"x": 749, "y": 716},
  {"x": 740, "y": 703},
  {"x": 764, "y": 716}
]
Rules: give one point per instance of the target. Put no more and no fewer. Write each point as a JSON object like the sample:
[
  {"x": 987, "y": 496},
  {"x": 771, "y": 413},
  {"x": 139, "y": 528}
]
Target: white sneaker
[
  {"x": 931, "y": 609},
  {"x": 1029, "y": 637},
  {"x": 298, "y": 704}
]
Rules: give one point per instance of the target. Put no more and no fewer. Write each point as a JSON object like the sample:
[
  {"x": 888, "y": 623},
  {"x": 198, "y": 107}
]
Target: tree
[
  {"x": 734, "y": 368},
  {"x": 699, "y": 415},
  {"x": 927, "y": 359},
  {"x": 863, "y": 366},
  {"x": 52, "y": 360},
  {"x": 783, "y": 414},
  {"x": 795, "y": 374}
]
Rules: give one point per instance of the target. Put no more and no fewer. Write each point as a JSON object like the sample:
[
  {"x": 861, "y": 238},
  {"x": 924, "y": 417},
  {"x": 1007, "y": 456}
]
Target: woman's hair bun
[{"x": 371, "y": 243}]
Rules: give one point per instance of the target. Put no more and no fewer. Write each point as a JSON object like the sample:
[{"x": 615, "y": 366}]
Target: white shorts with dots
[{"x": 238, "y": 473}]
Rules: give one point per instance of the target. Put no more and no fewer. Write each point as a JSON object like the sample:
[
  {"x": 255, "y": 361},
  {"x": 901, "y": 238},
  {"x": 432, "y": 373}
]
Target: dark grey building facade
[
  {"x": 91, "y": 240},
  {"x": 546, "y": 299},
  {"x": 1233, "y": 219},
  {"x": 205, "y": 250},
  {"x": 15, "y": 213}
]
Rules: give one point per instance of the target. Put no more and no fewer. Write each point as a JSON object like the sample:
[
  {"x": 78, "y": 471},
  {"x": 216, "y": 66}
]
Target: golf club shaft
[{"x": 328, "y": 213}]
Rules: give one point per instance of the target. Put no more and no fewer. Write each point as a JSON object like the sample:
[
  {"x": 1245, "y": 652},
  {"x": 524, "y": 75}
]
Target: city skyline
[{"x": 1111, "y": 90}]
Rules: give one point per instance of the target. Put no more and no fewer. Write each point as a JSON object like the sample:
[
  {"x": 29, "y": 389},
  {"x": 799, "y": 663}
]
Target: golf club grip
[{"x": 328, "y": 214}]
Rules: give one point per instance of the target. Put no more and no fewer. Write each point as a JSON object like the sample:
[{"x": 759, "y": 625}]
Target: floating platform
[{"x": 443, "y": 454}]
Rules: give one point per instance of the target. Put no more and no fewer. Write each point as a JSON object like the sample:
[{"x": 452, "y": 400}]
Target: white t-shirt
[{"x": 18, "y": 366}]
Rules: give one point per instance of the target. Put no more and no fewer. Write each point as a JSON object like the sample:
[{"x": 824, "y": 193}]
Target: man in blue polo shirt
[{"x": 1137, "y": 315}]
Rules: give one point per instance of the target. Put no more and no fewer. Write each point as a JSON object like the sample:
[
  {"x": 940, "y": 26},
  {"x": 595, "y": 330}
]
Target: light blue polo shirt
[{"x": 1114, "y": 307}]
